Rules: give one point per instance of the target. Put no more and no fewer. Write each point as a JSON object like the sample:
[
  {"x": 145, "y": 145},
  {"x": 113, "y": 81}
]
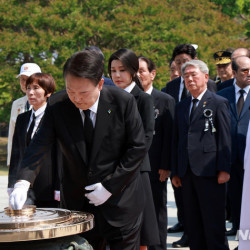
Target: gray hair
[{"x": 197, "y": 64}]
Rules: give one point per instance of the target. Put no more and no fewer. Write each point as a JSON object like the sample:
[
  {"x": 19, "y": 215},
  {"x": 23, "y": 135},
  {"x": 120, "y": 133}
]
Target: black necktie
[
  {"x": 31, "y": 128},
  {"x": 88, "y": 130},
  {"x": 240, "y": 102},
  {"x": 193, "y": 108},
  {"x": 184, "y": 92},
  {"x": 27, "y": 106}
]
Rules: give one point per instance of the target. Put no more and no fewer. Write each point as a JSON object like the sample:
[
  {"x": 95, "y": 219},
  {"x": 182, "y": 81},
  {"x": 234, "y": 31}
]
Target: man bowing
[{"x": 102, "y": 140}]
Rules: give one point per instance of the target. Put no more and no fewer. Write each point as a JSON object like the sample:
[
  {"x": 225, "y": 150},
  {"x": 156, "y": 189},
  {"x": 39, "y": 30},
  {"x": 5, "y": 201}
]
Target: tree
[
  {"x": 234, "y": 8},
  {"x": 237, "y": 9},
  {"x": 48, "y": 32}
]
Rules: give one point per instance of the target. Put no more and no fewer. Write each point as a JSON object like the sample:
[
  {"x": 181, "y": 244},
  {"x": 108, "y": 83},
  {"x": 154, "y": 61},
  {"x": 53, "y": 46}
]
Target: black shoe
[
  {"x": 183, "y": 242},
  {"x": 231, "y": 232},
  {"x": 176, "y": 228}
]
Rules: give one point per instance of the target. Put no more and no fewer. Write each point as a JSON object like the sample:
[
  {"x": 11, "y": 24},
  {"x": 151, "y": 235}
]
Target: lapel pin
[
  {"x": 204, "y": 104},
  {"x": 109, "y": 111},
  {"x": 157, "y": 112}
]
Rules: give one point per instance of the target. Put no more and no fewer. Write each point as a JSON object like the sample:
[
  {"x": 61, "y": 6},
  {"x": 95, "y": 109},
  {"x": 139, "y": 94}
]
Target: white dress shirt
[
  {"x": 237, "y": 92},
  {"x": 199, "y": 98},
  {"x": 39, "y": 115},
  {"x": 130, "y": 87},
  {"x": 149, "y": 91},
  {"x": 93, "y": 112},
  {"x": 181, "y": 88}
]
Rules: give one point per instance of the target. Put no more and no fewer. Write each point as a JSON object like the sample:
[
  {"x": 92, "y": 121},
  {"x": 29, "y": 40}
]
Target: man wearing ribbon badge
[{"x": 201, "y": 158}]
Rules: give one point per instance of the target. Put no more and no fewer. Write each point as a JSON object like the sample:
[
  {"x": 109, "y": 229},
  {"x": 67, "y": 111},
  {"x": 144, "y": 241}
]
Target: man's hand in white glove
[
  {"x": 99, "y": 194},
  {"x": 19, "y": 194},
  {"x": 57, "y": 195}
]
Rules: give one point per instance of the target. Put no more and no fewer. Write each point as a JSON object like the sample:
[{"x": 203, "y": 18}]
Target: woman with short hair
[{"x": 39, "y": 87}]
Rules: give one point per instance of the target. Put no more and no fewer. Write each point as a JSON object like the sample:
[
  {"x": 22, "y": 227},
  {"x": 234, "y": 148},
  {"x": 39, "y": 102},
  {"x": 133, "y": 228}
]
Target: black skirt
[{"x": 149, "y": 229}]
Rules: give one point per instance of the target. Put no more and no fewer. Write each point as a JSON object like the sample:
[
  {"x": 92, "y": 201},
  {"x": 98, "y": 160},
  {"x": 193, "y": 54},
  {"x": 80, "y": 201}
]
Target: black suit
[
  {"x": 145, "y": 107},
  {"x": 149, "y": 229},
  {"x": 198, "y": 156},
  {"x": 117, "y": 151},
  {"x": 160, "y": 158},
  {"x": 108, "y": 81},
  {"x": 173, "y": 88},
  {"x": 225, "y": 84},
  {"x": 47, "y": 180}
]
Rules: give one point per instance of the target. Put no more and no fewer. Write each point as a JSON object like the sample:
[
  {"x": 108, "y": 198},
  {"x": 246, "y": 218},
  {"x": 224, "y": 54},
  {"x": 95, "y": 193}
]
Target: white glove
[
  {"x": 19, "y": 194},
  {"x": 57, "y": 195},
  {"x": 99, "y": 194},
  {"x": 10, "y": 190}
]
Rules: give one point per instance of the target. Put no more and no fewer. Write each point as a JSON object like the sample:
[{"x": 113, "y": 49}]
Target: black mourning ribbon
[
  {"x": 193, "y": 108},
  {"x": 240, "y": 102},
  {"x": 30, "y": 130},
  {"x": 88, "y": 130}
]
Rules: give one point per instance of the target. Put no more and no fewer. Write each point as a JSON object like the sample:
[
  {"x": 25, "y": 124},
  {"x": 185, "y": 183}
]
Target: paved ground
[{"x": 171, "y": 213}]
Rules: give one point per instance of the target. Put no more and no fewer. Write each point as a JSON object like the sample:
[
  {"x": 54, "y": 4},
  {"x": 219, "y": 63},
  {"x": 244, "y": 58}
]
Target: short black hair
[
  {"x": 234, "y": 65},
  {"x": 97, "y": 49},
  {"x": 149, "y": 62},
  {"x": 184, "y": 49},
  {"x": 85, "y": 64}
]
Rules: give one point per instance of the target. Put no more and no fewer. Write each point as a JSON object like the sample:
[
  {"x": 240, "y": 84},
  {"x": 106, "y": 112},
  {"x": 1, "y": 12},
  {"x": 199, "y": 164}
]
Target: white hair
[{"x": 197, "y": 64}]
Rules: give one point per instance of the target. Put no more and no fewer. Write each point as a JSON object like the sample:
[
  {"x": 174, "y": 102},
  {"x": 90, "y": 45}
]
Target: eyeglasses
[{"x": 245, "y": 71}]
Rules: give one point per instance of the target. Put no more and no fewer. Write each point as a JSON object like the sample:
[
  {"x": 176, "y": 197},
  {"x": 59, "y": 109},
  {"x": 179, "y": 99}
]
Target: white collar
[
  {"x": 94, "y": 107},
  {"x": 237, "y": 88},
  {"x": 149, "y": 91},
  {"x": 39, "y": 111},
  {"x": 200, "y": 96},
  {"x": 130, "y": 87}
]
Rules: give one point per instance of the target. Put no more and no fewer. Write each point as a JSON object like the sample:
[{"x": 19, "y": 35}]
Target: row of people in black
[
  {"x": 117, "y": 165},
  {"x": 176, "y": 88}
]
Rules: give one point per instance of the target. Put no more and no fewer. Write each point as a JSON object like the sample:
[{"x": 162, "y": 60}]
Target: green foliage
[
  {"x": 234, "y": 7},
  {"x": 47, "y": 32},
  {"x": 239, "y": 9}
]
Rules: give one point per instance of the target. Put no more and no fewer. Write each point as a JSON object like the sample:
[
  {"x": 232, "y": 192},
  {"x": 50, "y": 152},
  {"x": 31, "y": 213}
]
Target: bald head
[
  {"x": 240, "y": 52},
  {"x": 241, "y": 70}
]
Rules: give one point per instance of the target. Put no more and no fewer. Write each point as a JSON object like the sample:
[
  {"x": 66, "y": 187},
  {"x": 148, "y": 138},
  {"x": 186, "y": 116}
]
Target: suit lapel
[
  {"x": 232, "y": 102},
  {"x": 155, "y": 98},
  {"x": 157, "y": 104},
  {"x": 25, "y": 124},
  {"x": 177, "y": 90},
  {"x": 202, "y": 105},
  {"x": 73, "y": 121},
  {"x": 186, "y": 105},
  {"x": 153, "y": 94},
  {"x": 135, "y": 91},
  {"x": 105, "y": 112}
]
